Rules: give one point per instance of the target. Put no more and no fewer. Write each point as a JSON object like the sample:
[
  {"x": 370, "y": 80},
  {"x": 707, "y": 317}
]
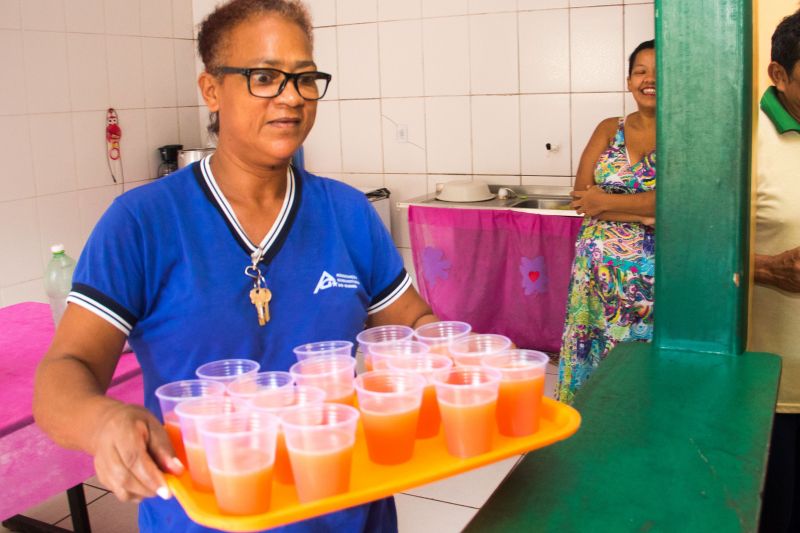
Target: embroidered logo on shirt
[{"x": 342, "y": 281}]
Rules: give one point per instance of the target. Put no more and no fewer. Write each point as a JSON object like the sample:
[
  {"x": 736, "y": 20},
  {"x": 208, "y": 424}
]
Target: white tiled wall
[
  {"x": 65, "y": 63},
  {"x": 475, "y": 88}
]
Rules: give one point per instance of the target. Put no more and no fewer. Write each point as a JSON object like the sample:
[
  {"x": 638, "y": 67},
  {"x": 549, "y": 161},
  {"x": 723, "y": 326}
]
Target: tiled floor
[{"x": 444, "y": 507}]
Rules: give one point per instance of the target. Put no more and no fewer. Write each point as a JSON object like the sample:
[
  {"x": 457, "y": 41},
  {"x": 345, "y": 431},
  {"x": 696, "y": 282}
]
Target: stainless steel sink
[{"x": 543, "y": 203}]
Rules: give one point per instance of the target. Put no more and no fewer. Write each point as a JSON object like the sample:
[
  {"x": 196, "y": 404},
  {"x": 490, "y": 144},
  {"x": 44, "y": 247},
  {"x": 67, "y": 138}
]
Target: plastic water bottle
[{"x": 58, "y": 280}]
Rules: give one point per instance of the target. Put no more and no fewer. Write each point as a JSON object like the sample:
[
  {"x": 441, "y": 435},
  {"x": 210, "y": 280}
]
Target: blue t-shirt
[{"x": 165, "y": 265}]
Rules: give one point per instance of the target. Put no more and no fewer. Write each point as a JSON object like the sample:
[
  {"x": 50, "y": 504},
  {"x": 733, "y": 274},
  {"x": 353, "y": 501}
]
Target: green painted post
[{"x": 704, "y": 56}]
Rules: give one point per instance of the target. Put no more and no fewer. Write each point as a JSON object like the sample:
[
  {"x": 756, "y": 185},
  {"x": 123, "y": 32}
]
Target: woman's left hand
[{"x": 589, "y": 202}]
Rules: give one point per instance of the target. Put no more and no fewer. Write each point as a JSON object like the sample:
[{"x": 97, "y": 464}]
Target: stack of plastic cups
[
  {"x": 245, "y": 387},
  {"x": 171, "y": 394},
  {"x": 320, "y": 440},
  {"x": 467, "y": 400},
  {"x": 469, "y": 350},
  {"x": 332, "y": 373},
  {"x": 227, "y": 370},
  {"x": 519, "y": 400},
  {"x": 389, "y": 401},
  {"x": 192, "y": 413},
  {"x": 382, "y": 352},
  {"x": 241, "y": 452},
  {"x": 371, "y": 336},
  {"x": 315, "y": 349},
  {"x": 277, "y": 401},
  {"x": 439, "y": 335},
  {"x": 425, "y": 365}
]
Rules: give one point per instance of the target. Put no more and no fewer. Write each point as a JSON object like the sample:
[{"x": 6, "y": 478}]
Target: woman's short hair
[
  {"x": 786, "y": 42},
  {"x": 646, "y": 45},
  {"x": 217, "y": 26}
]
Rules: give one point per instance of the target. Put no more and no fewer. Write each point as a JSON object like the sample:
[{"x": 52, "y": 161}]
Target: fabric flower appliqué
[
  {"x": 534, "y": 275},
  {"x": 434, "y": 265}
]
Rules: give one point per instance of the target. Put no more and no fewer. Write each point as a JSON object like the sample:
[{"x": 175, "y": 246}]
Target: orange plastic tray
[{"x": 370, "y": 481}]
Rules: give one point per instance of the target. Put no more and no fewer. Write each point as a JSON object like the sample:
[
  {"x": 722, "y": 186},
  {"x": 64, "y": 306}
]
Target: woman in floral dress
[{"x": 611, "y": 290}]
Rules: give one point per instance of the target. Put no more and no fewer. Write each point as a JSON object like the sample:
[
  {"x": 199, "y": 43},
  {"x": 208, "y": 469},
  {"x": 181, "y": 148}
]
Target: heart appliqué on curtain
[{"x": 534, "y": 275}]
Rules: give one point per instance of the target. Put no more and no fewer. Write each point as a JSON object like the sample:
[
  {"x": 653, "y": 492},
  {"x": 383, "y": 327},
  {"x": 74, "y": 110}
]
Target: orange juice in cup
[
  {"x": 276, "y": 401},
  {"x": 389, "y": 401},
  {"x": 240, "y": 448},
  {"x": 371, "y": 336},
  {"x": 424, "y": 365},
  {"x": 439, "y": 335},
  {"x": 521, "y": 391},
  {"x": 467, "y": 399},
  {"x": 171, "y": 394},
  {"x": 320, "y": 441},
  {"x": 332, "y": 373},
  {"x": 192, "y": 414}
]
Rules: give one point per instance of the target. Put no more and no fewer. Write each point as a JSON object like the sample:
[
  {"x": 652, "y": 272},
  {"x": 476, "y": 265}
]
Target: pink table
[{"x": 30, "y": 462}]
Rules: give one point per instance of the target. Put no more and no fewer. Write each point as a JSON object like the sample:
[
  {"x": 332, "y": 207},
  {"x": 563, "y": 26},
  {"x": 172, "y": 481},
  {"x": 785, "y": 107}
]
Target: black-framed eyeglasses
[{"x": 270, "y": 82}]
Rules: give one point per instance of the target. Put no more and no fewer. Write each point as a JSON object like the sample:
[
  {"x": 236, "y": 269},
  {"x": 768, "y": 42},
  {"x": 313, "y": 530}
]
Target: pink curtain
[{"x": 502, "y": 271}]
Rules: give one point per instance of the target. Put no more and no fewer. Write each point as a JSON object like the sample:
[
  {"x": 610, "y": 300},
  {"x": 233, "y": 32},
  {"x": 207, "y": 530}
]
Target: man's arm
[{"x": 781, "y": 270}]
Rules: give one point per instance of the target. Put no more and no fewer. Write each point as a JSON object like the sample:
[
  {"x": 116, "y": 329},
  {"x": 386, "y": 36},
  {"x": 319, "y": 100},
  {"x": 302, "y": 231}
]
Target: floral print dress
[{"x": 611, "y": 288}]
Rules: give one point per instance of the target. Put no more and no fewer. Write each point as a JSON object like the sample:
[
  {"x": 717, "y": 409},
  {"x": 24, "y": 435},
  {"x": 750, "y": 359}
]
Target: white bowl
[{"x": 464, "y": 191}]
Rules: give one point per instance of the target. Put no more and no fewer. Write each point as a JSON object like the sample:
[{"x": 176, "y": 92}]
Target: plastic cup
[
  {"x": 313, "y": 349},
  {"x": 389, "y": 401},
  {"x": 240, "y": 448},
  {"x": 276, "y": 401},
  {"x": 320, "y": 440},
  {"x": 424, "y": 365},
  {"x": 519, "y": 400},
  {"x": 439, "y": 335},
  {"x": 381, "y": 352},
  {"x": 467, "y": 399},
  {"x": 331, "y": 373},
  {"x": 227, "y": 370},
  {"x": 470, "y": 350},
  {"x": 192, "y": 413},
  {"x": 247, "y": 386},
  {"x": 371, "y": 336},
  {"x": 171, "y": 394}
]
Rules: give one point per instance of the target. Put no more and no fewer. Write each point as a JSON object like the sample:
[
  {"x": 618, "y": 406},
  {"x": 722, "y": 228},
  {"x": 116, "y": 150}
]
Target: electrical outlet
[{"x": 401, "y": 133}]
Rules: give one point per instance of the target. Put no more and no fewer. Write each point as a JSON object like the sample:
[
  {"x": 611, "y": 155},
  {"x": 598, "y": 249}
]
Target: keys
[{"x": 260, "y": 297}]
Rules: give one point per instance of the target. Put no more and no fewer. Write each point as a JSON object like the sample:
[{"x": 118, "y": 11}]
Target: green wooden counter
[{"x": 670, "y": 441}]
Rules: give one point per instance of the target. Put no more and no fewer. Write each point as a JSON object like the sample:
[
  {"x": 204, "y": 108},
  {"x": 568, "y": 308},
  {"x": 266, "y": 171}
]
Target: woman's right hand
[{"x": 131, "y": 451}]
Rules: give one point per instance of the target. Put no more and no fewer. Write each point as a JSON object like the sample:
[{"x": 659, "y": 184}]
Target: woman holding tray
[{"x": 238, "y": 254}]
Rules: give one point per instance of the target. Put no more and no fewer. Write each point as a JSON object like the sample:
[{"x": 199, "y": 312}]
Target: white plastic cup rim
[
  {"x": 517, "y": 364},
  {"x": 410, "y": 383},
  {"x": 320, "y": 348},
  {"x": 345, "y": 415},
  {"x": 189, "y": 388},
  {"x": 198, "y": 408},
  {"x": 297, "y": 395},
  {"x": 324, "y": 365},
  {"x": 238, "y": 425},
  {"x": 483, "y": 344},
  {"x": 424, "y": 364},
  {"x": 442, "y": 332},
  {"x": 383, "y": 333},
  {"x": 398, "y": 348},
  {"x": 270, "y": 380},
  {"x": 227, "y": 369},
  {"x": 480, "y": 377}
]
